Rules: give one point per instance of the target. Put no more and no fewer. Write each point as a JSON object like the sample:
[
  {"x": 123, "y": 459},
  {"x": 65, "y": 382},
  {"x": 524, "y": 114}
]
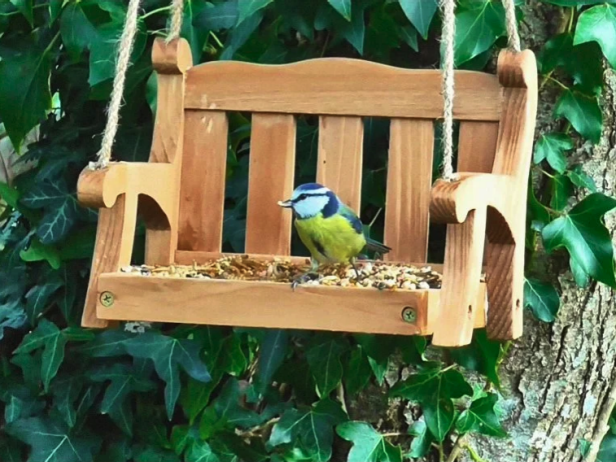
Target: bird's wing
[{"x": 350, "y": 215}]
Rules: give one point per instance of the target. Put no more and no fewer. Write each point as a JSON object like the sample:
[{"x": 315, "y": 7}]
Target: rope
[
  {"x": 113, "y": 112},
  {"x": 448, "y": 39},
  {"x": 512, "y": 25},
  {"x": 449, "y": 33},
  {"x": 177, "y": 7},
  {"x": 125, "y": 48}
]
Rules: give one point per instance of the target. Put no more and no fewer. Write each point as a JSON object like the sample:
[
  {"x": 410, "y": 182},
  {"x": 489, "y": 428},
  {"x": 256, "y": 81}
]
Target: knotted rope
[
  {"x": 125, "y": 49},
  {"x": 448, "y": 84}
]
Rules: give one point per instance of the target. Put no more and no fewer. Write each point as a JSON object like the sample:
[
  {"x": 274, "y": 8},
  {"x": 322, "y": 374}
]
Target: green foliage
[
  {"x": 368, "y": 445},
  {"x": 210, "y": 394},
  {"x": 542, "y": 299}
]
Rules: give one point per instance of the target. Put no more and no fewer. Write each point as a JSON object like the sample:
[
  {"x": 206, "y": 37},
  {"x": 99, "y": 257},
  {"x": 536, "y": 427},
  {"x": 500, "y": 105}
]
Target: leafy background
[{"x": 224, "y": 394}]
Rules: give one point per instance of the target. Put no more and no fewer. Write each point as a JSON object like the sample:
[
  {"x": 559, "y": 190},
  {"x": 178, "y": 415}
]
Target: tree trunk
[{"x": 557, "y": 377}]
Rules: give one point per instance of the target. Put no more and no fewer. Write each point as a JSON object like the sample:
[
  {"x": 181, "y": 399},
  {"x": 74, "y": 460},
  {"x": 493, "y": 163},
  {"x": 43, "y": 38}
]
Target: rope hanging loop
[
  {"x": 448, "y": 83},
  {"x": 125, "y": 48}
]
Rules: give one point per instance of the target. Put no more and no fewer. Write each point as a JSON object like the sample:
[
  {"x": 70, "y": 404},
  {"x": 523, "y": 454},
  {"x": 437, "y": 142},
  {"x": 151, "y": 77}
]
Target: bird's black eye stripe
[{"x": 301, "y": 197}]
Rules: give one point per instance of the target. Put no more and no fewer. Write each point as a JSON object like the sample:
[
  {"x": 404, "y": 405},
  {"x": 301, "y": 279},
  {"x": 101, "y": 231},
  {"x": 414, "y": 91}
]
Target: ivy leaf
[
  {"x": 107, "y": 343},
  {"x": 218, "y": 17},
  {"x": 77, "y": 30},
  {"x": 229, "y": 410},
  {"x": 9, "y": 194},
  {"x": 200, "y": 451},
  {"x": 562, "y": 190},
  {"x": 477, "y": 28},
  {"x": 24, "y": 90},
  {"x": 239, "y": 35},
  {"x": 123, "y": 379},
  {"x": 581, "y": 179},
  {"x": 25, "y": 8},
  {"x": 103, "y": 51},
  {"x": 423, "y": 440},
  {"x": 310, "y": 430},
  {"x": 582, "y": 62},
  {"x": 65, "y": 393},
  {"x": 481, "y": 356},
  {"x": 598, "y": 24},
  {"x": 584, "y": 235},
  {"x": 607, "y": 449},
  {"x": 481, "y": 418},
  {"x": 273, "y": 350},
  {"x": 551, "y": 147},
  {"x": 420, "y": 14},
  {"x": 324, "y": 361},
  {"x": 51, "y": 441},
  {"x": 357, "y": 373},
  {"x": 45, "y": 195},
  {"x": 439, "y": 415},
  {"x": 233, "y": 360},
  {"x": 417, "y": 387},
  {"x": 249, "y": 7},
  {"x": 434, "y": 390},
  {"x": 542, "y": 299},
  {"x": 354, "y": 31},
  {"x": 10, "y": 451},
  {"x": 343, "y": 7},
  {"x": 37, "y": 297},
  {"x": 579, "y": 275},
  {"x": 40, "y": 252},
  {"x": 368, "y": 444},
  {"x": 168, "y": 354},
  {"x": 583, "y": 112}
]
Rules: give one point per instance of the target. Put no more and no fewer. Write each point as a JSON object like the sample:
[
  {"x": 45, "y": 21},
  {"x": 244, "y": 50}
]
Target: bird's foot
[{"x": 302, "y": 279}]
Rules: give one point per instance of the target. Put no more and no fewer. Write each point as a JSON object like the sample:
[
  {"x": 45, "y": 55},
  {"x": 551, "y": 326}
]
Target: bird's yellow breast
[{"x": 330, "y": 240}]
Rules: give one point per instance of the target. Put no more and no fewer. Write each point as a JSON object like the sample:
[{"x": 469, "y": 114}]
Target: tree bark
[{"x": 557, "y": 377}]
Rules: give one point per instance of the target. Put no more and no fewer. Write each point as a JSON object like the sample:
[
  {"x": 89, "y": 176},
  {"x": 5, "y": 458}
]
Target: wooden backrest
[{"x": 341, "y": 92}]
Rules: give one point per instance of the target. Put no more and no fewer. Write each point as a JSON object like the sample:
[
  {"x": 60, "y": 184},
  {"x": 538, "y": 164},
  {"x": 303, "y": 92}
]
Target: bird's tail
[{"x": 376, "y": 246}]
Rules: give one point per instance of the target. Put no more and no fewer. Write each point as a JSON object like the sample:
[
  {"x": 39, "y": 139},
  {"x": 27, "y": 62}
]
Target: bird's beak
[{"x": 286, "y": 204}]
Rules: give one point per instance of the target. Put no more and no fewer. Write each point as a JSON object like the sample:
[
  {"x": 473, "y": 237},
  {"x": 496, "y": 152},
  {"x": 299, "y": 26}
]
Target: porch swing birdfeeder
[{"x": 180, "y": 191}]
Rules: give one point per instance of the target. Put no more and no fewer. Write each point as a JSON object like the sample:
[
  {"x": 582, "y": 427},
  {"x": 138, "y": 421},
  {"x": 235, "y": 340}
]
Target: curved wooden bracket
[
  {"x": 121, "y": 188},
  {"x": 492, "y": 204}
]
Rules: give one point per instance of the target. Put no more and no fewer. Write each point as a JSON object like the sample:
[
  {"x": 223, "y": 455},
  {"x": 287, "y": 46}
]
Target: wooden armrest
[
  {"x": 101, "y": 188},
  {"x": 452, "y": 201}
]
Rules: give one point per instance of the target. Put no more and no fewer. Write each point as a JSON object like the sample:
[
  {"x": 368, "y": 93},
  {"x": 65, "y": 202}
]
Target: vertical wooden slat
[
  {"x": 112, "y": 250},
  {"x": 477, "y": 146},
  {"x": 203, "y": 181},
  {"x": 170, "y": 60},
  {"x": 339, "y": 163},
  {"x": 409, "y": 182},
  {"x": 461, "y": 274},
  {"x": 270, "y": 179}
]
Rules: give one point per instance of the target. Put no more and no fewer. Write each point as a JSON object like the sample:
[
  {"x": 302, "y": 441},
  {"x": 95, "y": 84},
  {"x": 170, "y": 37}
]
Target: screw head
[
  {"x": 107, "y": 299},
  {"x": 409, "y": 314}
]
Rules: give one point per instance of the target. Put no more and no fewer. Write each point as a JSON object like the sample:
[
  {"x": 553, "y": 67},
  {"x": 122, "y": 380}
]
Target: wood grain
[
  {"x": 270, "y": 179},
  {"x": 517, "y": 72},
  {"x": 477, "y": 146},
  {"x": 113, "y": 248},
  {"x": 204, "y": 168},
  {"x": 339, "y": 86},
  {"x": 244, "y": 303},
  {"x": 409, "y": 184},
  {"x": 340, "y": 154},
  {"x": 461, "y": 273},
  {"x": 170, "y": 60}
]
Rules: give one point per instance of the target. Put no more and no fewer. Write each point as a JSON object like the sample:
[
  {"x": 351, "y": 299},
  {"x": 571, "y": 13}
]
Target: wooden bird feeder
[{"x": 180, "y": 193}]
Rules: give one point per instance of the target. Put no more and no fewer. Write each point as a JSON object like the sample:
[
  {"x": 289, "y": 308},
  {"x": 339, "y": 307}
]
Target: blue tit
[{"x": 330, "y": 230}]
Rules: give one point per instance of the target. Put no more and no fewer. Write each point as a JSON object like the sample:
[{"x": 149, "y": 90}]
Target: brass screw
[
  {"x": 409, "y": 314},
  {"x": 107, "y": 299}
]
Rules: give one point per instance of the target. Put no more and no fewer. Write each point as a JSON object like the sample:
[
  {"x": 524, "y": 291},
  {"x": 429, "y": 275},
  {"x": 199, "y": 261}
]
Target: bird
[{"x": 332, "y": 231}]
